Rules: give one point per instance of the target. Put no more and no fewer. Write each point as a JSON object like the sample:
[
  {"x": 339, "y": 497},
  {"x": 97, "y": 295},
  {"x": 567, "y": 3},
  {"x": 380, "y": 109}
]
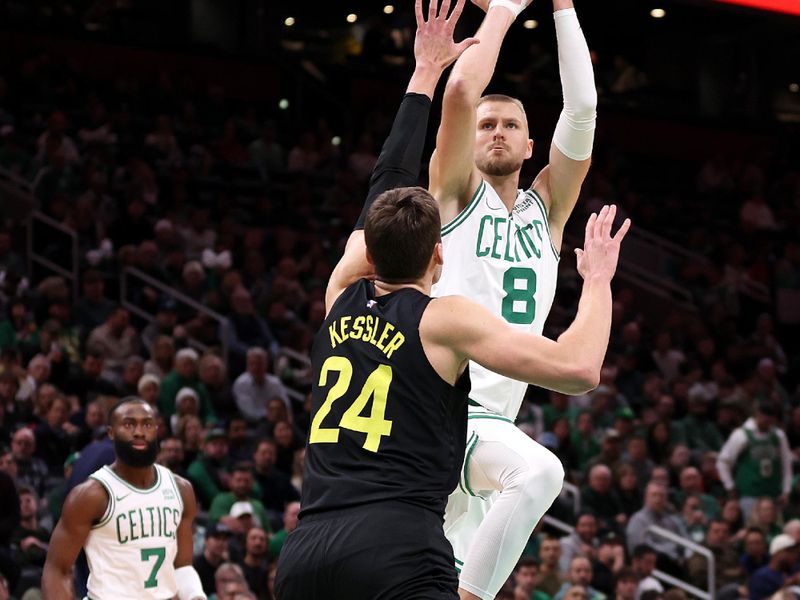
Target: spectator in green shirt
[
  {"x": 184, "y": 375},
  {"x": 526, "y": 574},
  {"x": 208, "y": 473},
  {"x": 691, "y": 483},
  {"x": 241, "y": 491},
  {"x": 290, "y": 515},
  {"x": 698, "y": 431},
  {"x": 583, "y": 441},
  {"x": 556, "y": 408}
]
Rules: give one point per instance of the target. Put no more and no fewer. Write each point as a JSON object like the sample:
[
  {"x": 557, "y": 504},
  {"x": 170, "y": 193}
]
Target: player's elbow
[
  {"x": 459, "y": 91},
  {"x": 582, "y": 380}
]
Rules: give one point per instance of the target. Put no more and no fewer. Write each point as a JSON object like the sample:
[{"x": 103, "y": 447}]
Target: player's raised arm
[
  {"x": 188, "y": 581},
  {"x": 84, "y": 506},
  {"x": 399, "y": 162},
  {"x": 570, "y": 365},
  {"x": 570, "y": 152},
  {"x": 453, "y": 175}
]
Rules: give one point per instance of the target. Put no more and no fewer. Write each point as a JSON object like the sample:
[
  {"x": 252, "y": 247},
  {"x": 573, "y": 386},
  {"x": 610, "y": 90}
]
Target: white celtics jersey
[
  {"x": 131, "y": 551},
  {"x": 507, "y": 263}
]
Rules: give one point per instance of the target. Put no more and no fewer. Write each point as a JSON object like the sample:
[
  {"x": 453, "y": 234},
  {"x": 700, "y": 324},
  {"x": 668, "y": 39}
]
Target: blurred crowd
[{"x": 225, "y": 222}]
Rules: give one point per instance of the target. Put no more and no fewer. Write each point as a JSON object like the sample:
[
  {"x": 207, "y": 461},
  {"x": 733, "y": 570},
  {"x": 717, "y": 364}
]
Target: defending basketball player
[
  {"x": 133, "y": 519},
  {"x": 501, "y": 248}
]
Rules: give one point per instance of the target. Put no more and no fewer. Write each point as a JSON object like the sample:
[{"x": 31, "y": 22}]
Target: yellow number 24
[{"x": 376, "y": 386}]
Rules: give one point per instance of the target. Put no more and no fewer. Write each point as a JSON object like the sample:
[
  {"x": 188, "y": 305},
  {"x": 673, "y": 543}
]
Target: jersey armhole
[
  {"x": 109, "y": 507},
  {"x": 466, "y": 211},
  {"x": 538, "y": 199},
  {"x": 175, "y": 487}
]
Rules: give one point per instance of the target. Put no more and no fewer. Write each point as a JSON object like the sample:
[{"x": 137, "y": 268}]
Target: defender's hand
[
  {"x": 433, "y": 44},
  {"x": 601, "y": 251}
]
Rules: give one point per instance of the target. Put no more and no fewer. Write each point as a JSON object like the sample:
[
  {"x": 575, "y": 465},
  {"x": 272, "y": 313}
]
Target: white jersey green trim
[
  {"x": 507, "y": 262},
  {"x": 131, "y": 551}
]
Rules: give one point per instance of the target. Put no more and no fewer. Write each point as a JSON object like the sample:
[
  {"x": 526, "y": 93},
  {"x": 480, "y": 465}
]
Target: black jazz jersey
[{"x": 384, "y": 425}]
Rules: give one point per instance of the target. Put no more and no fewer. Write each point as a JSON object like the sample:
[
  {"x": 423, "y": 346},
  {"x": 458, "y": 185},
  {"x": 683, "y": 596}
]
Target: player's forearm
[
  {"x": 585, "y": 342},
  {"x": 56, "y": 585},
  {"x": 562, "y": 4},
  {"x": 424, "y": 80},
  {"x": 574, "y": 134},
  {"x": 474, "y": 69}
]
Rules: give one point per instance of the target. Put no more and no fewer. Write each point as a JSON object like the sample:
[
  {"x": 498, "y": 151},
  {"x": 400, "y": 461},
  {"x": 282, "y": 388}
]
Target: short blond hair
[{"x": 503, "y": 98}]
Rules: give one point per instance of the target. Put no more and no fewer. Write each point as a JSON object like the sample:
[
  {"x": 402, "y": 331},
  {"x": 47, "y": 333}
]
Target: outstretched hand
[
  {"x": 600, "y": 252},
  {"x": 433, "y": 44}
]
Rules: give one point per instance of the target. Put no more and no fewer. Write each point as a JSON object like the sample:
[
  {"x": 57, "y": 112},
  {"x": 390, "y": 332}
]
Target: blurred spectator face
[
  {"x": 679, "y": 457},
  {"x": 580, "y": 571},
  {"x": 187, "y": 404},
  {"x": 764, "y": 422},
  {"x": 577, "y": 592},
  {"x": 133, "y": 371},
  {"x": 256, "y": 542},
  {"x": 257, "y": 365},
  {"x": 23, "y": 444},
  {"x": 550, "y": 552},
  {"x": 216, "y": 547},
  {"x": 731, "y": 511},
  {"x": 241, "y": 484},
  {"x": 628, "y": 480},
  {"x": 265, "y": 456},
  {"x": 656, "y": 498},
  {"x": 290, "y": 516},
  {"x": 149, "y": 392},
  {"x": 44, "y": 398},
  {"x": 8, "y": 464},
  {"x": 93, "y": 366},
  {"x": 186, "y": 367},
  {"x": 94, "y": 288},
  {"x": 232, "y": 589},
  {"x": 171, "y": 453},
  {"x": 163, "y": 351},
  {"x": 27, "y": 505},
  {"x": 626, "y": 588},
  {"x": 660, "y": 475},
  {"x": 661, "y": 433},
  {"x": 58, "y": 413},
  {"x": 95, "y": 415},
  {"x": 584, "y": 423},
  {"x": 39, "y": 369},
  {"x": 718, "y": 534},
  {"x": 119, "y": 321},
  {"x": 166, "y": 319},
  {"x": 586, "y": 528},
  {"x": 765, "y": 511},
  {"x": 237, "y": 431},
  {"x": 665, "y": 407},
  {"x": 691, "y": 482},
  {"x": 276, "y": 410},
  {"x": 299, "y": 461},
  {"x": 692, "y": 511},
  {"x": 600, "y": 479},
  {"x": 283, "y": 434},
  {"x": 526, "y": 577},
  {"x": 755, "y": 544},
  {"x": 241, "y": 301},
  {"x": 212, "y": 372},
  {"x": 9, "y": 386},
  {"x": 663, "y": 341},
  {"x": 637, "y": 449},
  {"x": 216, "y": 449},
  {"x": 645, "y": 565}
]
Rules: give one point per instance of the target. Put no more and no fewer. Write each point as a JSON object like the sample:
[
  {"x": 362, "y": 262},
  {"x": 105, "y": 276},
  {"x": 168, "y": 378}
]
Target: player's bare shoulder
[
  {"x": 87, "y": 501},
  {"x": 187, "y": 494}
]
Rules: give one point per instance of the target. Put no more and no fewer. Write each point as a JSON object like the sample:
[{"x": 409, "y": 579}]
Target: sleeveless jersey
[
  {"x": 131, "y": 550},
  {"x": 507, "y": 263},
  {"x": 758, "y": 471},
  {"x": 384, "y": 425}
]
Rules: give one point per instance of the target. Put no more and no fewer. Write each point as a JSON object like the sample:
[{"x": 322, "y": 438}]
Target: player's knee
[{"x": 545, "y": 477}]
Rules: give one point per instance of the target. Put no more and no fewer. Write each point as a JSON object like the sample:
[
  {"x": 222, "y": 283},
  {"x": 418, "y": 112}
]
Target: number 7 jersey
[{"x": 507, "y": 263}]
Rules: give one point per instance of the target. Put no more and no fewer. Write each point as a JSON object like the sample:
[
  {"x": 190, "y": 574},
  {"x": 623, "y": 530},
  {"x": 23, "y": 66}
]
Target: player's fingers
[
  {"x": 444, "y": 9},
  {"x": 432, "y": 10},
  {"x": 623, "y": 231},
  {"x": 418, "y": 13},
  {"x": 598, "y": 224},
  {"x": 609, "y": 221},
  {"x": 457, "y": 12},
  {"x": 590, "y": 226}
]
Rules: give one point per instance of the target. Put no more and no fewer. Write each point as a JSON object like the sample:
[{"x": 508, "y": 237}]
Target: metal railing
[
  {"x": 570, "y": 489},
  {"x": 558, "y": 524},
  {"x": 70, "y": 274},
  {"x": 125, "y": 301},
  {"x": 711, "y": 593},
  {"x": 284, "y": 359}
]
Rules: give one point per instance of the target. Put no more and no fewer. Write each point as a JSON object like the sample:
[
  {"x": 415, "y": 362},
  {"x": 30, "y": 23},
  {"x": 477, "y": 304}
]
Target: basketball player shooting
[{"x": 501, "y": 248}]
